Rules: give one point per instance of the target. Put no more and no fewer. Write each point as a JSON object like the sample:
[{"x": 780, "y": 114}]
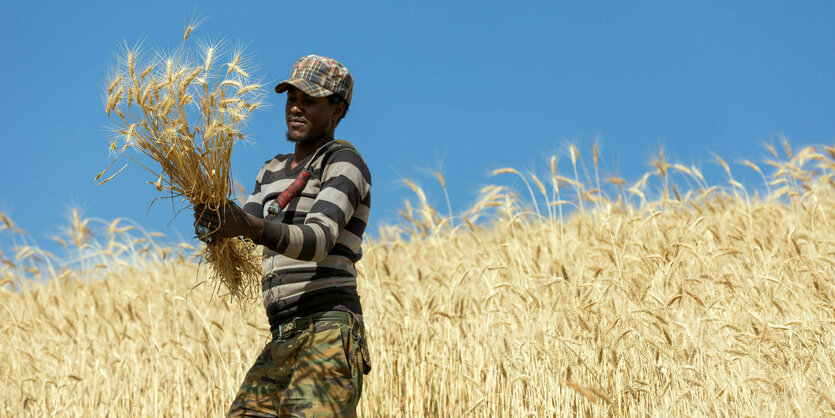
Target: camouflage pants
[{"x": 312, "y": 371}]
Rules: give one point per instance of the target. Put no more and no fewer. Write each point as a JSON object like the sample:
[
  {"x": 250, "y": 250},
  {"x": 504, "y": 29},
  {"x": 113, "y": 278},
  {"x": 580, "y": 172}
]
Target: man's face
[{"x": 309, "y": 118}]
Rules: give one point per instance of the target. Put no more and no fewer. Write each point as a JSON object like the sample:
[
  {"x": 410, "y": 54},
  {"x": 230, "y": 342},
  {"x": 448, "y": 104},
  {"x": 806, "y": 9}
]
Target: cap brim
[{"x": 310, "y": 88}]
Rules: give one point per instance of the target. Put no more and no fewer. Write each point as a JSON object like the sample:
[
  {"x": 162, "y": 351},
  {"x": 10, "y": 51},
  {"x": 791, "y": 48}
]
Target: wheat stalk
[{"x": 186, "y": 118}]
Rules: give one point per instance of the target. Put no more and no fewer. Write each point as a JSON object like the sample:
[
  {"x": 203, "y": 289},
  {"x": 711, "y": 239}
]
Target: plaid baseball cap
[{"x": 319, "y": 76}]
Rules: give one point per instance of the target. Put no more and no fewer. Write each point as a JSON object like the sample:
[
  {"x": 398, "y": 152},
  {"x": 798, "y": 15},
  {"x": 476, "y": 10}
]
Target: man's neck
[{"x": 304, "y": 149}]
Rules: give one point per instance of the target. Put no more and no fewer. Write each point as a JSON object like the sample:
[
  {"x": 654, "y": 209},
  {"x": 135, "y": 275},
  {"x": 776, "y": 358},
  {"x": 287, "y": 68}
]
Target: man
[{"x": 315, "y": 363}]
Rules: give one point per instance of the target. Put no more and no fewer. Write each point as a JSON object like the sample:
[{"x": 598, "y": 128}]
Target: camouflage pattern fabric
[{"x": 313, "y": 371}]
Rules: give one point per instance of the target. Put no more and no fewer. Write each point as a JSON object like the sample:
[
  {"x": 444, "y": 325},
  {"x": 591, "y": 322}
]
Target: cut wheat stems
[{"x": 185, "y": 110}]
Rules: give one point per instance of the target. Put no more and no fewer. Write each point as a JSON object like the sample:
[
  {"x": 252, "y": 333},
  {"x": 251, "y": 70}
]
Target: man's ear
[{"x": 339, "y": 110}]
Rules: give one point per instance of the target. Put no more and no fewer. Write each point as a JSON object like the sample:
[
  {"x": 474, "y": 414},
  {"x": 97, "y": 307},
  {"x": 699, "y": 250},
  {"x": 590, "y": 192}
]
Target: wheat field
[{"x": 589, "y": 297}]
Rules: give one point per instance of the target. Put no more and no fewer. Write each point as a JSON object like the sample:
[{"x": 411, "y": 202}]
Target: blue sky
[{"x": 465, "y": 87}]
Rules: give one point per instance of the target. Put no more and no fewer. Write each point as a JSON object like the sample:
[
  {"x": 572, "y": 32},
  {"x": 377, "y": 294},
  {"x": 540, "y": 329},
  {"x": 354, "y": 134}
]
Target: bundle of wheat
[{"x": 186, "y": 113}]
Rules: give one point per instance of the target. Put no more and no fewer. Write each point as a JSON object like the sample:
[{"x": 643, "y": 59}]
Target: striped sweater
[{"x": 312, "y": 245}]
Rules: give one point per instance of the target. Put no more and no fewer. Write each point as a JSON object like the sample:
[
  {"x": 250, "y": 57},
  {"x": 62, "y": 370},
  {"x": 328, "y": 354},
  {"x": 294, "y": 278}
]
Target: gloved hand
[{"x": 229, "y": 221}]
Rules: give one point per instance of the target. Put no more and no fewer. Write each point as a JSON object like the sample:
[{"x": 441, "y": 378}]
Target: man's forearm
[
  {"x": 256, "y": 229},
  {"x": 310, "y": 241}
]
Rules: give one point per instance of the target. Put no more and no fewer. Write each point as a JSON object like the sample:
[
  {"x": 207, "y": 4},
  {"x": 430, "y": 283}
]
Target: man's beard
[{"x": 299, "y": 140}]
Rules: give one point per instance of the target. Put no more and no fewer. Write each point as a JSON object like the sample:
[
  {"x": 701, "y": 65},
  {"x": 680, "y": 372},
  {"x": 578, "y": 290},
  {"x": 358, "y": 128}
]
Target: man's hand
[{"x": 229, "y": 221}]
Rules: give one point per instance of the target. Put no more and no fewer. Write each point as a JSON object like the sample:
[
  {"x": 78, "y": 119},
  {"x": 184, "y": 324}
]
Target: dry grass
[
  {"x": 709, "y": 301},
  {"x": 185, "y": 110}
]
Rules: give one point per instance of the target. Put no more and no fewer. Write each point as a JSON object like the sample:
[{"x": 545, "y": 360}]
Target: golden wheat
[
  {"x": 194, "y": 156},
  {"x": 708, "y": 302}
]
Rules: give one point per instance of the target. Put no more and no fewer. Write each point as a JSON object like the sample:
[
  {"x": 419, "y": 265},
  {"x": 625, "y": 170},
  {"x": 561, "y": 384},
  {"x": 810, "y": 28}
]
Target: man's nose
[{"x": 296, "y": 109}]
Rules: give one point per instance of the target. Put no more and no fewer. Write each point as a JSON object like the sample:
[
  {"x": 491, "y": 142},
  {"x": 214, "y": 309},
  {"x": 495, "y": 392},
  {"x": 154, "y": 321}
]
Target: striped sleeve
[
  {"x": 346, "y": 181},
  {"x": 254, "y": 204}
]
